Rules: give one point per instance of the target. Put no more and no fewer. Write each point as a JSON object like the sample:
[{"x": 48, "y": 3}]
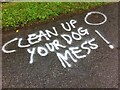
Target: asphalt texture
[{"x": 98, "y": 70}]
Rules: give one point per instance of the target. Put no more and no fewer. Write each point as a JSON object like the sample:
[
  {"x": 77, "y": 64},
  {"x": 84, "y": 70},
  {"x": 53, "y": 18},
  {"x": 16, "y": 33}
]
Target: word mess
[{"x": 70, "y": 53}]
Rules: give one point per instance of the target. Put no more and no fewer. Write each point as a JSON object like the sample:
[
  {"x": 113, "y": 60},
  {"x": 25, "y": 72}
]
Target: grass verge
[{"x": 17, "y": 14}]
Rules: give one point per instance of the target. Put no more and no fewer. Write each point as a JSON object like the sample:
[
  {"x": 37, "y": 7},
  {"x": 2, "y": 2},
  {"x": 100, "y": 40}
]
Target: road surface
[{"x": 99, "y": 69}]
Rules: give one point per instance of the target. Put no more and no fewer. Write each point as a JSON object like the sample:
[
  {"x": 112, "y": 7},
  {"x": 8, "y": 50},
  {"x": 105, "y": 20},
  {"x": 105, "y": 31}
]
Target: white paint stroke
[
  {"x": 64, "y": 58},
  {"x": 50, "y": 47},
  {"x": 76, "y": 34},
  {"x": 72, "y": 22},
  {"x": 10, "y": 51},
  {"x": 110, "y": 46},
  {"x": 102, "y": 37},
  {"x": 82, "y": 31},
  {"x": 66, "y": 29},
  {"x": 95, "y": 12},
  {"x": 42, "y": 51},
  {"x": 32, "y": 52},
  {"x": 33, "y": 38},
  {"x": 49, "y": 33},
  {"x": 92, "y": 45},
  {"x": 22, "y": 46},
  {"x": 57, "y": 44},
  {"x": 75, "y": 51},
  {"x": 41, "y": 35},
  {"x": 85, "y": 47},
  {"x": 70, "y": 25},
  {"x": 67, "y": 38}
]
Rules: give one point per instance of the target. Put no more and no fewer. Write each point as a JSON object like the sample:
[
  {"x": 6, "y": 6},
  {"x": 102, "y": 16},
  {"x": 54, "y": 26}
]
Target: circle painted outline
[{"x": 94, "y": 12}]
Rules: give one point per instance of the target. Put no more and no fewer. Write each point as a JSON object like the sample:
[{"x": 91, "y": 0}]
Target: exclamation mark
[{"x": 110, "y": 46}]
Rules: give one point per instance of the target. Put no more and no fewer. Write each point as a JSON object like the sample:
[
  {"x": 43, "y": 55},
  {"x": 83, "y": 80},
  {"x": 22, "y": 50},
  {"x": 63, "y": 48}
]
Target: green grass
[{"x": 20, "y": 13}]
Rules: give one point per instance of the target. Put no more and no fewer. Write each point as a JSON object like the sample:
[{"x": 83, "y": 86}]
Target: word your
[{"x": 70, "y": 53}]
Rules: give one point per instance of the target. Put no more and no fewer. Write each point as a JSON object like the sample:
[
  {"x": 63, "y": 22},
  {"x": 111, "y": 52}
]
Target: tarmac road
[{"x": 98, "y": 70}]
